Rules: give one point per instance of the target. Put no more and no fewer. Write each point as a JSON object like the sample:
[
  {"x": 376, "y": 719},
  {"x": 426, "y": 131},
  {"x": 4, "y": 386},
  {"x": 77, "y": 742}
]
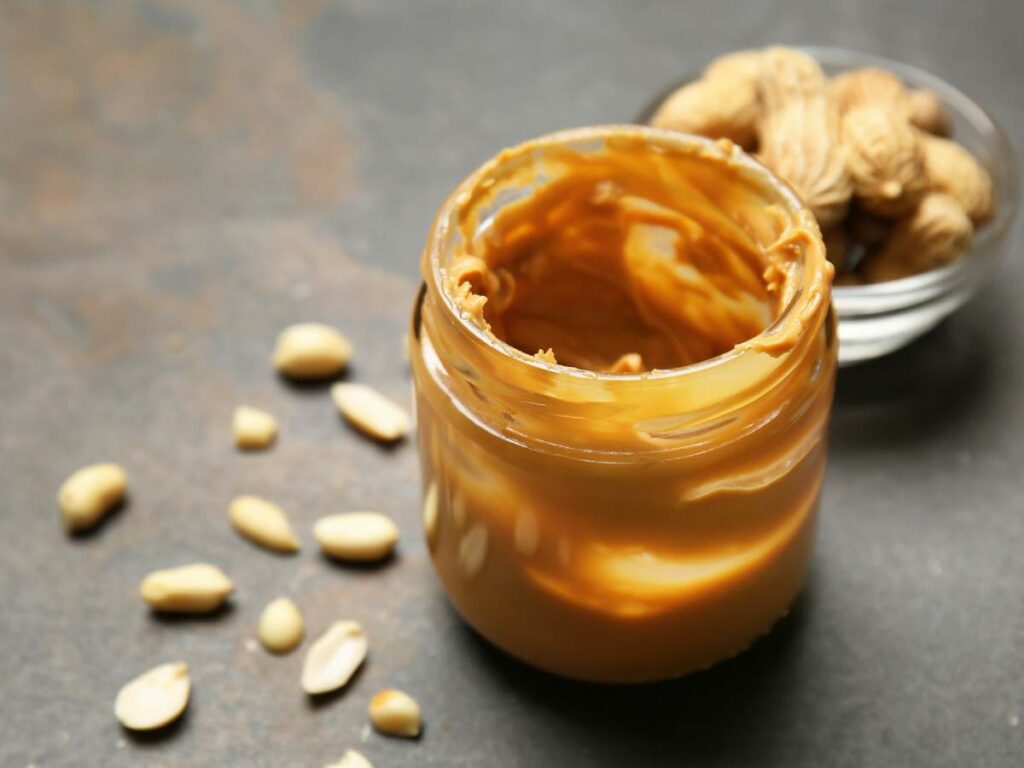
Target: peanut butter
[{"x": 624, "y": 363}]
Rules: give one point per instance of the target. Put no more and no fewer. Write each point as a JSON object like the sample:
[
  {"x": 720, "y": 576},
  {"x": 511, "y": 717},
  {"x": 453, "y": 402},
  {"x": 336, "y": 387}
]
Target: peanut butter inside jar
[{"x": 624, "y": 362}]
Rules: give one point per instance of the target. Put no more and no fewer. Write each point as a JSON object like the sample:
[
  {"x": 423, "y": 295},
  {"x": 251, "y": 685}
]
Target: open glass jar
[{"x": 619, "y": 522}]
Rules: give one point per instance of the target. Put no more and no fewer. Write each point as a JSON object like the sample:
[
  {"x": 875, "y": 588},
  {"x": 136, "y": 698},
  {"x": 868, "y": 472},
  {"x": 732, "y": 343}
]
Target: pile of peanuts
[
  {"x": 893, "y": 194},
  {"x": 159, "y": 696}
]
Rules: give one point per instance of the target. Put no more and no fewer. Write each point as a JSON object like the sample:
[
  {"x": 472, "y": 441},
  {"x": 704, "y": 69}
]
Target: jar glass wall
[{"x": 625, "y": 525}]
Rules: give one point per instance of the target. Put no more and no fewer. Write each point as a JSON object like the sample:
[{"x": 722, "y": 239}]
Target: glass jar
[{"x": 625, "y": 526}]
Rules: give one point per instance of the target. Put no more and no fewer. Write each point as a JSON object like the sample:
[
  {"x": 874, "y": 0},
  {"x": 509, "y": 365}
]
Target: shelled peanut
[
  {"x": 158, "y": 697},
  {"x": 870, "y": 157}
]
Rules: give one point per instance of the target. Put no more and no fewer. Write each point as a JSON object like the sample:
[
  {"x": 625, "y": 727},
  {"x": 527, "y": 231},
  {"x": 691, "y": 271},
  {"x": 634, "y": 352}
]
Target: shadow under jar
[{"x": 624, "y": 360}]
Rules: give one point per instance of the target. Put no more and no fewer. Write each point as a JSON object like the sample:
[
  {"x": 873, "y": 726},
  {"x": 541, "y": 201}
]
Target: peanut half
[
  {"x": 370, "y": 412},
  {"x": 311, "y": 351},
  {"x": 396, "y": 713},
  {"x": 154, "y": 699},
  {"x": 351, "y": 759},
  {"x": 431, "y": 508},
  {"x": 90, "y": 493},
  {"x": 263, "y": 522},
  {"x": 255, "y": 429},
  {"x": 196, "y": 588},
  {"x": 473, "y": 550},
  {"x": 357, "y": 536},
  {"x": 334, "y": 658},
  {"x": 281, "y": 626}
]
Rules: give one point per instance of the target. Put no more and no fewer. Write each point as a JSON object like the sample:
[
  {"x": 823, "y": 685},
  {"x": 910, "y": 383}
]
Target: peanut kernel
[
  {"x": 90, "y": 493},
  {"x": 395, "y": 713}
]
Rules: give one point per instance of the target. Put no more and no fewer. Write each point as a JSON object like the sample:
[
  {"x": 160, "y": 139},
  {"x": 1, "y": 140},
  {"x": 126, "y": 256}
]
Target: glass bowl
[{"x": 880, "y": 318}]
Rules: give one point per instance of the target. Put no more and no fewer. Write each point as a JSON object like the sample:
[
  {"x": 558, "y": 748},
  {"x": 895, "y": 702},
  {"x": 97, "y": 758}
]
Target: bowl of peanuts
[{"x": 914, "y": 185}]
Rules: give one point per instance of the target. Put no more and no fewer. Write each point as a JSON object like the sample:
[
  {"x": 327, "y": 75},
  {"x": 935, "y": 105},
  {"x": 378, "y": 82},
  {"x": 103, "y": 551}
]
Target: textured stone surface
[{"x": 179, "y": 180}]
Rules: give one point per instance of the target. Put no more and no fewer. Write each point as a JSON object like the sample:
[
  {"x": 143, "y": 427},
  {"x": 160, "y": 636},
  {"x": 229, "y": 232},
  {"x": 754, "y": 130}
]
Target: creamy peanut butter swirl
[{"x": 631, "y": 258}]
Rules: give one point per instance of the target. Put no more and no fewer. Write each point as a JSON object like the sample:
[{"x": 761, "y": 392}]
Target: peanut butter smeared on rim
[{"x": 631, "y": 258}]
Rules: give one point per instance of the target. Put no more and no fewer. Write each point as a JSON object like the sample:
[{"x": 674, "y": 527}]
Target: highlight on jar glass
[{"x": 624, "y": 360}]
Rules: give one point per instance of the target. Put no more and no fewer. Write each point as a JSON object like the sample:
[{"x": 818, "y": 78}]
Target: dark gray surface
[{"x": 179, "y": 180}]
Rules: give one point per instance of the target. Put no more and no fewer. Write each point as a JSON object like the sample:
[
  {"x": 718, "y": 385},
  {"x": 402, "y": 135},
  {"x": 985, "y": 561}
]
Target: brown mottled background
[{"x": 178, "y": 180}]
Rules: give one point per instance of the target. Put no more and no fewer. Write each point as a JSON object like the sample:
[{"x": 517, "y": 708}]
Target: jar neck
[
  {"x": 683, "y": 410},
  {"x": 529, "y": 400}
]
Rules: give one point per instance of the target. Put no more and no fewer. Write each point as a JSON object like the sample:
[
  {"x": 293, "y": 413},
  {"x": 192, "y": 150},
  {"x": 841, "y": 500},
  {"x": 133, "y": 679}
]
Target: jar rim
[{"x": 698, "y": 146}]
